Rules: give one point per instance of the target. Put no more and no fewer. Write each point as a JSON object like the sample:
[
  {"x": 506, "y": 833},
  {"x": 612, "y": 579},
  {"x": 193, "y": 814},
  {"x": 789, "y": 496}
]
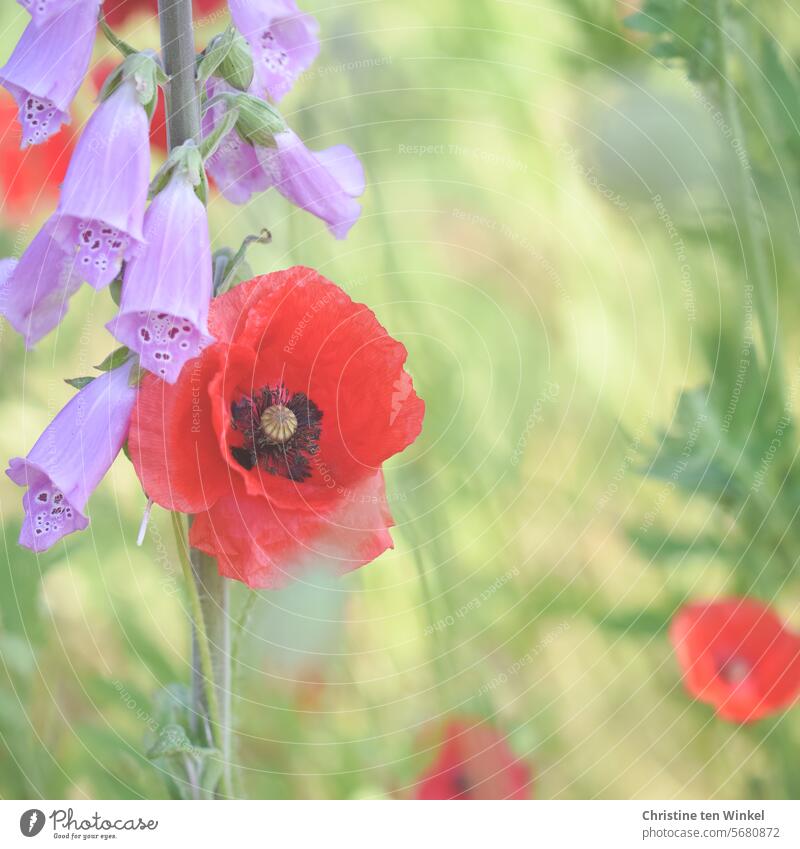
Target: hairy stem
[{"x": 211, "y": 665}]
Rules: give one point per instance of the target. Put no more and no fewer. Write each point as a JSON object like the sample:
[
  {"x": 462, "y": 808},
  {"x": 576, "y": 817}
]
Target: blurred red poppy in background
[
  {"x": 32, "y": 176},
  {"x": 158, "y": 126},
  {"x": 275, "y": 436},
  {"x": 117, "y": 12},
  {"x": 475, "y": 762},
  {"x": 737, "y": 656}
]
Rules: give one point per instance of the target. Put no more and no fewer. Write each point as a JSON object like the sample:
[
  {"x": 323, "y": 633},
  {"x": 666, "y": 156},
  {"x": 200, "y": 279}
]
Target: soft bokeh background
[{"x": 510, "y": 239}]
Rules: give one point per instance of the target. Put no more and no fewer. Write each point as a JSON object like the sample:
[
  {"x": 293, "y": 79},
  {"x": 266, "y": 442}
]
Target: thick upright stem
[
  {"x": 183, "y": 124},
  {"x": 212, "y": 589},
  {"x": 177, "y": 46}
]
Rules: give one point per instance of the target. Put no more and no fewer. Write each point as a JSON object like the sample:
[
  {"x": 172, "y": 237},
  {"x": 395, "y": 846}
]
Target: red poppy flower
[
  {"x": 31, "y": 176},
  {"x": 117, "y": 12},
  {"x": 158, "y": 126},
  {"x": 737, "y": 656},
  {"x": 475, "y": 762},
  {"x": 274, "y": 437}
]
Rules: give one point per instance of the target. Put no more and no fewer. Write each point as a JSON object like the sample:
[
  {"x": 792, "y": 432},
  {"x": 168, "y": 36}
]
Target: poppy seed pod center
[
  {"x": 278, "y": 424},
  {"x": 734, "y": 670},
  {"x": 280, "y": 432}
]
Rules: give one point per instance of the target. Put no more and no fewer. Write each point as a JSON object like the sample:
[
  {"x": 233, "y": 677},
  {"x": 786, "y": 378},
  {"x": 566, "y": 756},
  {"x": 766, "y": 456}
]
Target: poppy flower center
[
  {"x": 461, "y": 784},
  {"x": 734, "y": 670},
  {"x": 280, "y": 432},
  {"x": 278, "y": 424}
]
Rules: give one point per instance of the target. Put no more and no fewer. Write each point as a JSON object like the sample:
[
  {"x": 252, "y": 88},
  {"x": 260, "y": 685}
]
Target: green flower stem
[
  {"x": 211, "y": 679},
  {"x": 208, "y": 591},
  {"x": 177, "y": 46}
]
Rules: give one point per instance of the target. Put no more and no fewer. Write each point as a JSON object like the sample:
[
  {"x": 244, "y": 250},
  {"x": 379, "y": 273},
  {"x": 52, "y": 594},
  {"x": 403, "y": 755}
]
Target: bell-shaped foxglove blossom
[
  {"x": 283, "y": 39},
  {"x": 48, "y": 65},
  {"x": 325, "y": 183},
  {"x": 71, "y": 457},
  {"x": 43, "y": 11},
  {"x": 234, "y": 166},
  {"x": 104, "y": 195},
  {"x": 35, "y": 290},
  {"x": 167, "y": 288}
]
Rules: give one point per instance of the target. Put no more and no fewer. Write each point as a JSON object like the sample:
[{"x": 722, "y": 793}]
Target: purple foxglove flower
[
  {"x": 325, "y": 183},
  {"x": 43, "y": 11},
  {"x": 167, "y": 288},
  {"x": 71, "y": 457},
  {"x": 104, "y": 195},
  {"x": 35, "y": 290},
  {"x": 47, "y": 68},
  {"x": 283, "y": 40},
  {"x": 234, "y": 166}
]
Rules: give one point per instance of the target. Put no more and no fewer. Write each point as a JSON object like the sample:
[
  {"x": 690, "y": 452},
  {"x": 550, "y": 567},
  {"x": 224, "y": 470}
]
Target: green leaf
[
  {"x": 171, "y": 740},
  {"x": 659, "y": 547},
  {"x": 680, "y": 30},
  {"x": 641, "y": 22},
  {"x": 78, "y": 382},
  {"x": 115, "y": 359},
  {"x": 229, "y": 275},
  {"x": 689, "y": 454}
]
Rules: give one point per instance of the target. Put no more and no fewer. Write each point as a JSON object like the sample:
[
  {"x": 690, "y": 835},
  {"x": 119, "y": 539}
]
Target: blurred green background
[{"x": 553, "y": 310}]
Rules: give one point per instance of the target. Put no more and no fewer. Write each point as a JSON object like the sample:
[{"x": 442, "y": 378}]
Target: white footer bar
[{"x": 405, "y": 825}]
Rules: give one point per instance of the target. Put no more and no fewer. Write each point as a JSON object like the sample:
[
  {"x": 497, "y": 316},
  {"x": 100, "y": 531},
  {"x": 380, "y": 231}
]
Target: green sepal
[
  {"x": 213, "y": 56},
  {"x": 115, "y": 289},
  {"x": 136, "y": 375},
  {"x": 187, "y": 160},
  {"x": 259, "y": 122},
  {"x": 146, "y": 74},
  {"x": 111, "y": 84},
  {"x": 124, "y": 48},
  {"x": 210, "y": 144}
]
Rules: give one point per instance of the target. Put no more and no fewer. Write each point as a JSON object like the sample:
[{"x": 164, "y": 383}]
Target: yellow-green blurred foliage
[{"x": 510, "y": 240}]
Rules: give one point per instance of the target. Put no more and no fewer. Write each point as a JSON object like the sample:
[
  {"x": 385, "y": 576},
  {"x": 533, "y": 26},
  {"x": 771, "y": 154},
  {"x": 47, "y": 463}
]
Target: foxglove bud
[
  {"x": 47, "y": 68},
  {"x": 284, "y": 42},
  {"x": 35, "y": 290},
  {"x": 167, "y": 288},
  {"x": 71, "y": 457},
  {"x": 104, "y": 194},
  {"x": 237, "y": 66}
]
